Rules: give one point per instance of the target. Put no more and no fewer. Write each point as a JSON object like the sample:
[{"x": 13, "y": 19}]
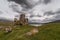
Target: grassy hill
[{"x": 50, "y": 31}]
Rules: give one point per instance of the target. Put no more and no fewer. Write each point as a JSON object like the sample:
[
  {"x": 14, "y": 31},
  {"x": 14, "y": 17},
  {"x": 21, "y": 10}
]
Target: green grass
[{"x": 49, "y": 31}]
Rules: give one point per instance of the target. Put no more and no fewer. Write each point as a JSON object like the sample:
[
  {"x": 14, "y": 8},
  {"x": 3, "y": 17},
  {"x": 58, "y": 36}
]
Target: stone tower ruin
[{"x": 23, "y": 20}]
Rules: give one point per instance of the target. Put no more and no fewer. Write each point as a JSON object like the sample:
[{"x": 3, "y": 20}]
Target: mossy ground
[{"x": 49, "y": 31}]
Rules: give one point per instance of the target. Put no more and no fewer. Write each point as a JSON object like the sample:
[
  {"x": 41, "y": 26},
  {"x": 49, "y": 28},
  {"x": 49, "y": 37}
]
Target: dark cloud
[
  {"x": 35, "y": 16},
  {"x": 57, "y": 17},
  {"x": 15, "y": 8},
  {"x": 47, "y": 20},
  {"x": 58, "y": 11},
  {"x": 22, "y": 2},
  {"x": 49, "y": 13},
  {"x": 46, "y": 1},
  {"x": 19, "y": 1}
]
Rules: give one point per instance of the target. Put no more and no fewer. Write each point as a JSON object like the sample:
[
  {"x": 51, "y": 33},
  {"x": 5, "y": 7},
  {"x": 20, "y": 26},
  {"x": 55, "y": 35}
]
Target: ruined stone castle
[{"x": 22, "y": 20}]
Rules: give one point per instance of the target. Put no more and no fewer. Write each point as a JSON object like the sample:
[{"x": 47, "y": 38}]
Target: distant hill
[
  {"x": 57, "y": 21},
  {"x": 5, "y": 20}
]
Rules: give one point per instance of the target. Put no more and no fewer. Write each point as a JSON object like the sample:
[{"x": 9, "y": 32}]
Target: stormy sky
[{"x": 40, "y": 11}]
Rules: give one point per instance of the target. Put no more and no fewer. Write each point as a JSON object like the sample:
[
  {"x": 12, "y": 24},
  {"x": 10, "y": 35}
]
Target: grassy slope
[{"x": 49, "y": 31}]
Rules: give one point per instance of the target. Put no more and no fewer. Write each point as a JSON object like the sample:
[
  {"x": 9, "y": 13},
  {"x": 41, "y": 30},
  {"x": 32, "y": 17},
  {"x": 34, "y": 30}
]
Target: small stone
[
  {"x": 34, "y": 31},
  {"x": 28, "y": 33},
  {"x": 1, "y": 28}
]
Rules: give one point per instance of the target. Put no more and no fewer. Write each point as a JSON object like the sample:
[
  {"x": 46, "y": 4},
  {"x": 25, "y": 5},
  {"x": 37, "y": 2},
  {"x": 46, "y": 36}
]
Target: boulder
[
  {"x": 8, "y": 29},
  {"x": 32, "y": 32}
]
